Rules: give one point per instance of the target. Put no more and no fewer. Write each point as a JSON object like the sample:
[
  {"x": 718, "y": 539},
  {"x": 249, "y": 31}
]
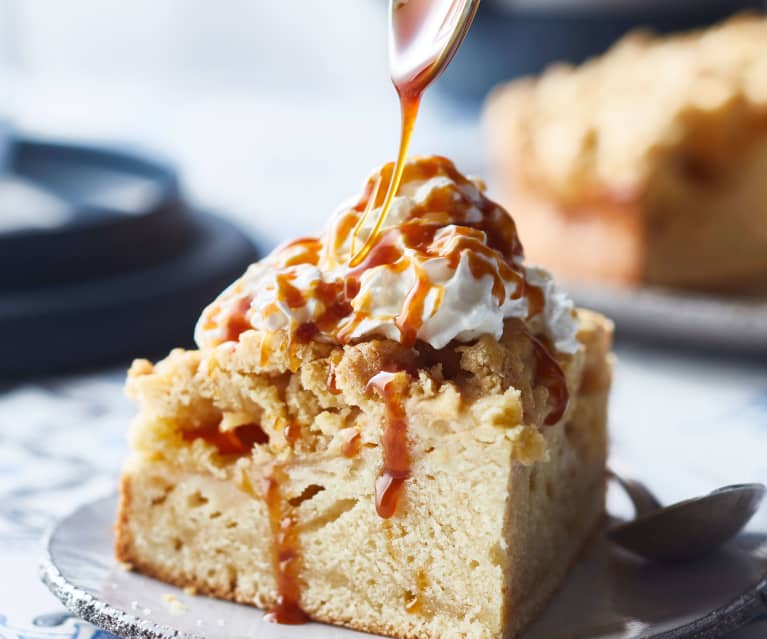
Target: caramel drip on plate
[
  {"x": 396, "y": 454},
  {"x": 286, "y": 556}
]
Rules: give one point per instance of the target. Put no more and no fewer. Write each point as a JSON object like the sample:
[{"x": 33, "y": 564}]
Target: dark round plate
[
  {"x": 135, "y": 314},
  {"x": 608, "y": 595},
  {"x": 82, "y": 212}
]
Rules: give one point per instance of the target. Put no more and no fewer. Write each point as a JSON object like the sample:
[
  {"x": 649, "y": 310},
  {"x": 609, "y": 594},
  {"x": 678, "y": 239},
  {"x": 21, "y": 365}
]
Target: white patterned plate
[{"x": 608, "y": 595}]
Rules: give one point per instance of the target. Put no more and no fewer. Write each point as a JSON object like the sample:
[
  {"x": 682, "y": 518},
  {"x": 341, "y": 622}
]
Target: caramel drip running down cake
[{"x": 413, "y": 445}]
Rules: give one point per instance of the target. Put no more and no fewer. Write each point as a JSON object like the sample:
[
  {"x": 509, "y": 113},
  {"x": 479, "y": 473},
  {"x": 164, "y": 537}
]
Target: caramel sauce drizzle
[
  {"x": 234, "y": 323},
  {"x": 371, "y": 191},
  {"x": 396, "y": 454},
  {"x": 453, "y": 221},
  {"x": 293, "y": 433},
  {"x": 410, "y": 101},
  {"x": 288, "y": 293},
  {"x": 309, "y": 251},
  {"x": 410, "y": 86},
  {"x": 239, "y": 441},
  {"x": 352, "y": 447},
  {"x": 535, "y": 300},
  {"x": 286, "y": 555},
  {"x": 331, "y": 383},
  {"x": 549, "y": 373},
  {"x": 413, "y": 309}
]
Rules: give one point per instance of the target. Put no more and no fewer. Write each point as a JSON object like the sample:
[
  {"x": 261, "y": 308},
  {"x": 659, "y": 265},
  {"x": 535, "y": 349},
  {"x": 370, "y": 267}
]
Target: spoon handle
[{"x": 643, "y": 500}]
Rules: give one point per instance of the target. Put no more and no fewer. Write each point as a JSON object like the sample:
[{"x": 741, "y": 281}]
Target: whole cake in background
[
  {"x": 644, "y": 166},
  {"x": 413, "y": 446}
]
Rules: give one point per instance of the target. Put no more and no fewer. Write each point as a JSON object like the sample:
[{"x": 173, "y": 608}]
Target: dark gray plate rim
[
  {"x": 689, "y": 318},
  {"x": 744, "y": 608}
]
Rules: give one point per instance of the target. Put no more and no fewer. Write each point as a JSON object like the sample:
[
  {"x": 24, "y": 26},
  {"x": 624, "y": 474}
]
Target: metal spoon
[
  {"x": 687, "y": 529},
  {"x": 424, "y": 35}
]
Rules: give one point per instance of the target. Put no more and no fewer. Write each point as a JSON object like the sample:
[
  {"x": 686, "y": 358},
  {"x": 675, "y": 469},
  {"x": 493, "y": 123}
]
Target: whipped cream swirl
[{"x": 446, "y": 266}]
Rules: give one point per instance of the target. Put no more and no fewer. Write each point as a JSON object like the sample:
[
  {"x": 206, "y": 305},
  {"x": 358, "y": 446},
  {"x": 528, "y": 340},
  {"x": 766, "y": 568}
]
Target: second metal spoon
[{"x": 687, "y": 529}]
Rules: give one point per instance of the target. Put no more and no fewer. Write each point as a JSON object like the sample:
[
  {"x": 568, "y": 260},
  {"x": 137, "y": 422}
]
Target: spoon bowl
[
  {"x": 424, "y": 36},
  {"x": 690, "y": 528}
]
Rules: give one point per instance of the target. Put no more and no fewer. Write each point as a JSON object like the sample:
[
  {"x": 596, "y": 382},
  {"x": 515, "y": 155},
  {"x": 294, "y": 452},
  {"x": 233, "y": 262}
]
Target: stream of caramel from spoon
[
  {"x": 409, "y": 104},
  {"x": 407, "y": 18}
]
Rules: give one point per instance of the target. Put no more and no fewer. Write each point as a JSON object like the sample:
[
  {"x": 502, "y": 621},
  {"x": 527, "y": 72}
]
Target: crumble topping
[{"x": 225, "y": 390}]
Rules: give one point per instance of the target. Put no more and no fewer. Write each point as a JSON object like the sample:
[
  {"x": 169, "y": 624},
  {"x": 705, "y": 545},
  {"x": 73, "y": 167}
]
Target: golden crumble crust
[{"x": 234, "y": 384}]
